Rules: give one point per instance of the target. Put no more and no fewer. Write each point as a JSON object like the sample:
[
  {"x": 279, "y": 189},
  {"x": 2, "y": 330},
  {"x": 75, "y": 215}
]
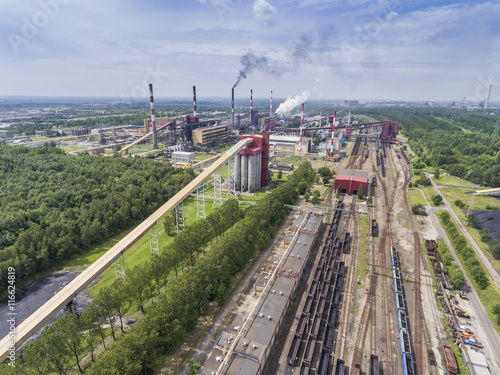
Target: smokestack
[
  {"x": 153, "y": 117},
  {"x": 488, "y": 98},
  {"x": 333, "y": 130},
  {"x": 194, "y": 101},
  {"x": 232, "y": 105},
  {"x": 251, "y": 101},
  {"x": 271, "y": 105},
  {"x": 301, "y": 123}
]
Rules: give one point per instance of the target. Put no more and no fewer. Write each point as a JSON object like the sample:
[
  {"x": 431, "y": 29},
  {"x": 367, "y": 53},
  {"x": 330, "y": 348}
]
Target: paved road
[
  {"x": 489, "y": 267},
  {"x": 489, "y": 335}
]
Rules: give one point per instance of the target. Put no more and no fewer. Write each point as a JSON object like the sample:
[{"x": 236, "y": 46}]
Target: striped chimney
[
  {"x": 232, "y": 105},
  {"x": 271, "y": 105},
  {"x": 333, "y": 130},
  {"x": 251, "y": 101},
  {"x": 301, "y": 123},
  {"x": 194, "y": 101},
  {"x": 153, "y": 117}
]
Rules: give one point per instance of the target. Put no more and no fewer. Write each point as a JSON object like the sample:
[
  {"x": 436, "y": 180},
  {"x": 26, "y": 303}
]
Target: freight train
[{"x": 404, "y": 335}]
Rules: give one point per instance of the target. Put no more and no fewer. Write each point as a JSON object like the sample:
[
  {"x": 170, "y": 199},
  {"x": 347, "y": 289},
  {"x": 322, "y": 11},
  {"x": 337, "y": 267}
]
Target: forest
[
  {"x": 53, "y": 205},
  {"x": 184, "y": 297},
  {"x": 463, "y": 144}
]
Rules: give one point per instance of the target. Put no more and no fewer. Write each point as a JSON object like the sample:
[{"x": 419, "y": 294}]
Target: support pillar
[
  {"x": 200, "y": 203},
  {"x": 179, "y": 217},
  {"x": 217, "y": 189},
  {"x": 120, "y": 267},
  {"x": 231, "y": 183},
  {"x": 154, "y": 244}
]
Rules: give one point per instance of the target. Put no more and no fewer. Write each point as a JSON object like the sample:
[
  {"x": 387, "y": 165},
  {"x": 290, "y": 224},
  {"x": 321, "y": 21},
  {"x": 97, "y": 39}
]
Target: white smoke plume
[{"x": 290, "y": 103}]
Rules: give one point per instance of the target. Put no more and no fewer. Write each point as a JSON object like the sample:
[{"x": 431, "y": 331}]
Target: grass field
[
  {"x": 415, "y": 196},
  {"x": 429, "y": 193},
  {"x": 452, "y": 181},
  {"x": 140, "y": 251}
]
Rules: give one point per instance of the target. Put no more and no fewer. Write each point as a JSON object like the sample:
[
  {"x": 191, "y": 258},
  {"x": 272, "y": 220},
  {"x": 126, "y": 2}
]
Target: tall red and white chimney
[
  {"x": 251, "y": 101},
  {"x": 301, "y": 123},
  {"x": 271, "y": 105},
  {"x": 333, "y": 131},
  {"x": 153, "y": 116},
  {"x": 194, "y": 101},
  {"x": 232, "y": 105}
]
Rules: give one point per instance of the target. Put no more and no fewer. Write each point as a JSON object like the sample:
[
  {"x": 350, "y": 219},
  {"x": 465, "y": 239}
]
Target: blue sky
[{"x": 350, "y": 49}]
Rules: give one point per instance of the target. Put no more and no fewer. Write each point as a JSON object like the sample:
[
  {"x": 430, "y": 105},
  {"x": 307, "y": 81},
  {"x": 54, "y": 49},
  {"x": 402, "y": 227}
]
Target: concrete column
[
  {"x": 252, "y": 172},
  {"x": 259, "y": 170},
  {"x": 244, "y": 172},
  {"x": 237, "y": 172}
]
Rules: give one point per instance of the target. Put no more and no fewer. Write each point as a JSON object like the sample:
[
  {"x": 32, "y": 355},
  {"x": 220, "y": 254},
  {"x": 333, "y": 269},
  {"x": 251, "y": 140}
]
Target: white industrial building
[
  {"x": 289, "y": 143},
  {"x": 183, "y": 157}
]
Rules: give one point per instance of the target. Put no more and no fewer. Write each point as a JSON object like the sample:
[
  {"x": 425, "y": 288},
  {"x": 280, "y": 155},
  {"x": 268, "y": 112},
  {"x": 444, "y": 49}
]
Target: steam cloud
[
  {"x": 290, "y": 103},
  {"x": 251, "y": 62}
]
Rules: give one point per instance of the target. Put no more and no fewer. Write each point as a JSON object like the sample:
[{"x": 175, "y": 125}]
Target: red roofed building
[{"x": 350, "y": 180}]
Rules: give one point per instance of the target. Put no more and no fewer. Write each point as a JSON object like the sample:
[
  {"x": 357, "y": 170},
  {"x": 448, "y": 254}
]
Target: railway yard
[{"x": 352, "y": 288}]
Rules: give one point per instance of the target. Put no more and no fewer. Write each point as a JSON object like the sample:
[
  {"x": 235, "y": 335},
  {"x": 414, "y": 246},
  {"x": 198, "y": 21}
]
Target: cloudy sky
[{"x": 336, "y": 49}]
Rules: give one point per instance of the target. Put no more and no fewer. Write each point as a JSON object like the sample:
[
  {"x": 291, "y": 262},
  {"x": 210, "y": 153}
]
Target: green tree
[
  {"x": 326, "y": 180},
  {"x": 457, "y": 278},
  {"x": 361, "y": 193},
  {"x": 315, "y": 200},
  {"x": 57, "y": 353},
  {"x": 459, "y": 203},
  {"x": 485, "y": 236},
  {"x": 437, "y": 200},
  {"x": 302, "y": 188},
  {"x": 69, "y": 329},
  {"x": 195, "y": 366},
  {"x": 138, "y": 283},
  {"x": 280, "y": 175},
  {"x": 418, "y": 209},
  {"x": 35, "y": 356},
  {"x": 436, "y": 173}
]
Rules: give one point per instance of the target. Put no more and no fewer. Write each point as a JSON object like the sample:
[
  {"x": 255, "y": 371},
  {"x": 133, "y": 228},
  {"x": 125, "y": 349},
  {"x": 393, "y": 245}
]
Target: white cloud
[{"x": 264, "y": 12}]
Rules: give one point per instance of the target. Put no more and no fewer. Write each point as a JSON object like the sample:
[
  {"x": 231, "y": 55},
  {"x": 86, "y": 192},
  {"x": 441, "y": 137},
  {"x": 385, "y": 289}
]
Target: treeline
[
  {"x": 460, "y": 244},
  {"x": 174, "y": 312},
  {"x": 53, "y": 205},
  {"x": 70, "y": 338},
  {"x": 464, "y": 142},
  {"x": 48, "y": 124}
]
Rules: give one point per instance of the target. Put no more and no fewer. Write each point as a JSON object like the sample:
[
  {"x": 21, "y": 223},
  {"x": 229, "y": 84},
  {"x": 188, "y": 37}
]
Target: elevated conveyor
[{"x": 70, "y": 291}]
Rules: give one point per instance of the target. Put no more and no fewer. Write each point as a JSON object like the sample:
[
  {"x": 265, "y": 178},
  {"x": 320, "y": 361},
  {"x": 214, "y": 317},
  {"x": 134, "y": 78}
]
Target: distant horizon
[
  {"x": 369, "y": 50},
  {"x": 228, "y": 98}
]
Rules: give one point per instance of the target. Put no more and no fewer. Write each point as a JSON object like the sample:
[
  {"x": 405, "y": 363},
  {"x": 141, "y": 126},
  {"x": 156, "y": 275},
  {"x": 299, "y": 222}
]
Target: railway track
[
  {"x": 421, "y": 337},
  {"x": 368, "y": 320}
]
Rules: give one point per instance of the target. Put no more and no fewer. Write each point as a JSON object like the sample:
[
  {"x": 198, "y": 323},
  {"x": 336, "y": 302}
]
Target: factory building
[
  {"x": 258, "y": 332},
  {"x": 389, "y": 130},
  {"x": 251, "y": 165},
  {"x": 159, "y": 122},
  {"x": 210, "y": 136},
  {"x": 350, "y": 180},
  {"x": 183, "y": 157},
  {"x": 290, "y": 143}
]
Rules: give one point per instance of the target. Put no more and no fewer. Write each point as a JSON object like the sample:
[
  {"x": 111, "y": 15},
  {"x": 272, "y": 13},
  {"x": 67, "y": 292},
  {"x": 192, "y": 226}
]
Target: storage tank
[
  {"x": 244, "y": 172},
  {"x": 252, "y": 173},
  {"x": 237, "y": 172}
]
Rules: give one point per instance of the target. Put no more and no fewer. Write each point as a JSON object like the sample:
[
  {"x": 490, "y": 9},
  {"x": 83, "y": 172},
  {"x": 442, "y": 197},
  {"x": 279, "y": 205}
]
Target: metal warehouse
[{"x": 350, "y": 180}]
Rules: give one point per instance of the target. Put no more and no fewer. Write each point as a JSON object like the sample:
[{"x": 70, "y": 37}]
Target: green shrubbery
[{"x": 460, "y": 244}]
